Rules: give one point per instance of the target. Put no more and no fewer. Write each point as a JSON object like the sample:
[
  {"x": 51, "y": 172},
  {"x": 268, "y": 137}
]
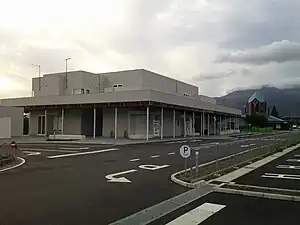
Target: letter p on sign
[{"x": 185, "y": 151}]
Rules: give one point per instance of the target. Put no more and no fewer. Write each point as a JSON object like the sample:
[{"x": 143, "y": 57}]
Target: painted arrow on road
[
  {"x": 31, "y": 153},
  {"x": 113, "y": 178}
]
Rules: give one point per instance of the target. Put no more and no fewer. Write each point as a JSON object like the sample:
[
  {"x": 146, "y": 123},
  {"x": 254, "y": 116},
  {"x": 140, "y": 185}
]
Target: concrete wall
[
  {"x": 17, "y": 118},
  {"x": 55, "y": 84},
  {"x": 162, "y": 83},
  {"x": 5, "y": 127}
]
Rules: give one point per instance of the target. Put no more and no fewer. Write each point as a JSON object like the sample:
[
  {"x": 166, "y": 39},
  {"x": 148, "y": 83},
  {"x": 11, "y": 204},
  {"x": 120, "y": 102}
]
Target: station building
[{"x": 136, "y": 104}]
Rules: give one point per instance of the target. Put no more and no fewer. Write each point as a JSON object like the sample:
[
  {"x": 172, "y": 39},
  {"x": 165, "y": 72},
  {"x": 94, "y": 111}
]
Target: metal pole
[
  {"x": 116, "y": 123},
  {"x": 217, "y": 160},
  {"x": 62, "y": 120},
  {"x": 162, "y": 123},
  {"x": 94, "y": 125},
  {"x": 197, "y": 162},
  {"x": 39, "y": 77},
  {"x": 147, "y": 126},
  {"x": 185, "y": 166},
  {"x": 67, "y": 72},
  {"x": 174, "y": 120},
  {"x": 193, "y": 124},
  {"x": 184, "y": 123}
]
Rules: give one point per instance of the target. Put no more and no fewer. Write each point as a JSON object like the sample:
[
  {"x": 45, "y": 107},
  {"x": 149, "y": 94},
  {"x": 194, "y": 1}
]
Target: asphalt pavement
[
  {"x": 283, "y": 173},
  {"x": 220, "y": 209},
  {"x": 97, "y": 184}
]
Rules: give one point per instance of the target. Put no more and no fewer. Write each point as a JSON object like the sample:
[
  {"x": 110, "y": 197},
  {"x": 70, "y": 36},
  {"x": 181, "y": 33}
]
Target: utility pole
[
  {"x": 67, "y": 72},
  {"x": 39, "y": 69}
]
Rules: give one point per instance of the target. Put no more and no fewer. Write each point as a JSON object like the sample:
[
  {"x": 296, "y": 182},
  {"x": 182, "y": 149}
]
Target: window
[
  {"x": 87, "y": 91},
  {"x": 117, "y": 85},
  {"x": 78, "y": 91}
]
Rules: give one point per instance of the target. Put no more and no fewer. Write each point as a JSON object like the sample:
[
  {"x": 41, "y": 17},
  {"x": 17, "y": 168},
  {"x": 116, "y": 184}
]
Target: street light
[
  {"x": 39, "y": 68},
  {"x": 67, "y": 71}
]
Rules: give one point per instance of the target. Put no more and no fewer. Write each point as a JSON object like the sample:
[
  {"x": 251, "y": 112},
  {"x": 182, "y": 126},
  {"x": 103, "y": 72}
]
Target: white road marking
[
  {"x": 197, "y": 215},
  {"x": 74, "y": 148},
  {"x": 171, "y": 153},
  {"x": 293, "y": 160},
  {"x": 153, "y": 167},
  {"x": 15, "y": 166},
  {"x": 281, "y": 176},
  {"x": 288, "y": 167},
  {"x": 31, "y": 153},
  {"x": 82, "y": 153},
  {"x": 252, "y": 144},
  {"x": 244, "y": 146},
  {"x": 45, "y": 150},
  {"x": 134, "y": 160},
  {"x": 112, "y": 178},
  {"x": 155, "y": 156}
]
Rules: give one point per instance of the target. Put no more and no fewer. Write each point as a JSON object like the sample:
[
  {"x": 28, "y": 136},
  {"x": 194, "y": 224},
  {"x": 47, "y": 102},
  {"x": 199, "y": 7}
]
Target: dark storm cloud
[{"x": 278, "y": 52}]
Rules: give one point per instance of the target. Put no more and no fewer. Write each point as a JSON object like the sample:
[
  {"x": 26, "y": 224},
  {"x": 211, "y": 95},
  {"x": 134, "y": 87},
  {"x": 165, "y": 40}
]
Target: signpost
[
  {"x": 185, "y": 152},
  {"x": 197, "y": 154}
]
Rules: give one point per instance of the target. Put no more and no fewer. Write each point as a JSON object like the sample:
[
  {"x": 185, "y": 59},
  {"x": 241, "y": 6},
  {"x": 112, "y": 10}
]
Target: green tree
[{"x": 274, "y": 112}]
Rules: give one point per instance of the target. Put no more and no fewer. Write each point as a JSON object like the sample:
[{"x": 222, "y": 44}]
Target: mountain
[{"x": 287, "y": 100}]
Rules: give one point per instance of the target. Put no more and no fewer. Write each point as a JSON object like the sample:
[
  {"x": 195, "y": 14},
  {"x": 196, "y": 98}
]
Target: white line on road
[
  {"x": 45, "y": 150},
  {"x": 288, "y": 167},
  {"x": 74, "y": 148},
  {"x": 281, "y": 176},
  {"x": 252, "y": 144},
  {"x": 155, "y": 156},
  {"x": 293, "y": 160},
  {"x": 171, "y": 153},
  {"x": 31, "y": 153},
  {"x": 15, "y": 166},
  {"x": 82, "y": 153},
  {"x": 197, "y": 215},
  {"x": 134, "y": 160}
]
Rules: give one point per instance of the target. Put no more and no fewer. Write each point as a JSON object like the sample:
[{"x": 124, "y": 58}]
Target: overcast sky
[{"x": 218, "y": 45}]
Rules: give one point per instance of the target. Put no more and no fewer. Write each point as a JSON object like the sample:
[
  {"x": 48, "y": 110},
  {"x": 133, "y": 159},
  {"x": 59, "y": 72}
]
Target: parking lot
[
  {"x": 283, "y": 173},
  {"x": 220, "y": 209},
  {"x": 97, "y": 184}
]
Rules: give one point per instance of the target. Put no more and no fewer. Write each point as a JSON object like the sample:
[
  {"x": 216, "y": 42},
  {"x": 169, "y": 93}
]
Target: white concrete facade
[
  {"x": 11, "y": 121},
  {"x": 125, "y": 104}
]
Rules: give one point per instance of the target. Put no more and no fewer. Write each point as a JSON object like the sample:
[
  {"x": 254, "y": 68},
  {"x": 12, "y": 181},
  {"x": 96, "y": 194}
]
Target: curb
[
  {"x": 258, "y": 194},
  {"x": 203, "y": 182},
  {"x": 15, "y": 166},
  {"x": 246, "y": 169},
  {"x": 253, "y": 166}
]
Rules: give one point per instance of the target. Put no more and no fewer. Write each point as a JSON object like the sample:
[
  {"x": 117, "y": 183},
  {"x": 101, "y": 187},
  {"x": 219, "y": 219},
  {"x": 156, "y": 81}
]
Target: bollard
[
  {"x": 197, "y": 162},
  {"x": 217, "y": 159}
]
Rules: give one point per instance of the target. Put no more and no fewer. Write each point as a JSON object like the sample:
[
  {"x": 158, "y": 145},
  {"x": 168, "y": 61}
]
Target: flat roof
[{"x": 122, "y": 96}]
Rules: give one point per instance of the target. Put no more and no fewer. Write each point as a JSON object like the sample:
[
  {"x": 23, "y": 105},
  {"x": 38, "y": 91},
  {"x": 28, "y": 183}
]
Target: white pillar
[
  {"x": 62, "y": 120},
  {"x": 174, "y": 123},
  {"x": 208, "y": 124},
  {"x": 184, "y": 123},
  {"x": 203, "y": 123},
  {"x": 116, "y": 123},
  {"x": 220, "y": 124},
  {"x": 46, "y": 121},
  {"x": 94, "y": 123},
  {"x": 29, "y": 118},
  {"x": 162, "y": 123},
  {"x": 193, "y": 124},
  {"x": 147, "y": 126}
]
